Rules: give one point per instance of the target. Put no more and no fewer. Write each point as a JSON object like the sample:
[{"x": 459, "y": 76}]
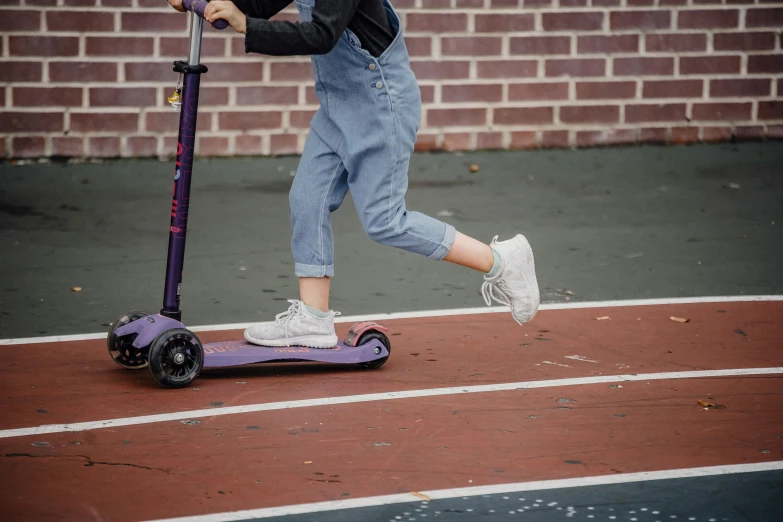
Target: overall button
[
  {"x": 379, "y": 85},
  {"x": 371, "y": 67}
]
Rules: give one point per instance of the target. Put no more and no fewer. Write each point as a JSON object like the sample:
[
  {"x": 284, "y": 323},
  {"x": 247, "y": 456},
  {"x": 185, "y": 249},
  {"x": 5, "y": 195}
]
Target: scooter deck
[{"x": 238, "y": 353}]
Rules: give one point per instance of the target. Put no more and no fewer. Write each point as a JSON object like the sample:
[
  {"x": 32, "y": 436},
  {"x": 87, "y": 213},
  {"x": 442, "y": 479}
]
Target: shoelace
[{"x": 294, "y": 311}]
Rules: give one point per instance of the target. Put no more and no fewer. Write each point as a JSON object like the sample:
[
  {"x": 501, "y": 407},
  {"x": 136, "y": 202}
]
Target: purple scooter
[{"x": 175, "y": 355}]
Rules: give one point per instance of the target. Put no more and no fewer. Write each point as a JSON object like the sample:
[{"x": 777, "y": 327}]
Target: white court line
[
  {"x": 443, "y": 494},
  {"x": 383, "y": 396},
  {"x": 436, "y": 313}
]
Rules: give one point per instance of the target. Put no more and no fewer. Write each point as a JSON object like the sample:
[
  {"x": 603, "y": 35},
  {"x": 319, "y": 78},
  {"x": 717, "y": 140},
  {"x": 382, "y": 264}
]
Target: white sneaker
[
  {"x": 515, "y": 284},
  {"x": 295, "y": 327}
]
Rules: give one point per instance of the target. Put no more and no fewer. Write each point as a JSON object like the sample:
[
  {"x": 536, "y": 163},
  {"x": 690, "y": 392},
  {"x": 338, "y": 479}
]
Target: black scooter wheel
[
  {"x": 176, "y": 358},
  {"x": 368, "y": 336},
  {"x": 121, "y": 349}
]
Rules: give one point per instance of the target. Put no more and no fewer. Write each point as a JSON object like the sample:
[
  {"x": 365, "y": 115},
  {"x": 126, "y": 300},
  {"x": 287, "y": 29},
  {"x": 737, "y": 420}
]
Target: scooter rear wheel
[
  {"x": 176, "y": 358},
  {"x": 121, "y": 349},
  {"x": 368, "y": 336}
]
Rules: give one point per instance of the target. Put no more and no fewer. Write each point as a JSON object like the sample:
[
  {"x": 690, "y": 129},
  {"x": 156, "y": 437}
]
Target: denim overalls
[{"x": 361, "y": 139}]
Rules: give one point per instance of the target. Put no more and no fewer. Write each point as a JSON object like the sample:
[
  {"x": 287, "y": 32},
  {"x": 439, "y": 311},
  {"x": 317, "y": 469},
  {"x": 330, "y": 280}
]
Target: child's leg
[
  {"x": 471, "y": 253},
  {"x": 314, "y": 292}
]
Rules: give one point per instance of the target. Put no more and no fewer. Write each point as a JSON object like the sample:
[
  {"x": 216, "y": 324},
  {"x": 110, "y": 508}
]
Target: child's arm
[
  {"x": 277, "y": 38},
  {"x": 264, "y": 9}
]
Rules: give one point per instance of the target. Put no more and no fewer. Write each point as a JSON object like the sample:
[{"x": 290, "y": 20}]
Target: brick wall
[{"x": 91, "y": 77}]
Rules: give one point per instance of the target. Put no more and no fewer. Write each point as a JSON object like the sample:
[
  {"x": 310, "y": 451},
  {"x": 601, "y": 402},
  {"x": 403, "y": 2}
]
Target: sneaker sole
[{"x": 321, "y": 342}]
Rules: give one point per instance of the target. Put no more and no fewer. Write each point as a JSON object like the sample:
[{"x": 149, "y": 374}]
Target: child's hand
[
  {"x": 177, "y": 4},
  {"x": 226, "y": 10}
]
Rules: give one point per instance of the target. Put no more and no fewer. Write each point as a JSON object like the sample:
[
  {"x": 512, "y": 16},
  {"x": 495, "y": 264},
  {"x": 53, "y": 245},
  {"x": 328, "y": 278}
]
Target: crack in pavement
[{"x": 89, "y": 462}]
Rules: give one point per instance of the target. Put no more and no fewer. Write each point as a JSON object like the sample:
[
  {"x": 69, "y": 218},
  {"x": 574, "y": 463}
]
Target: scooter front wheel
[
  {"x": 176, "y": 358},
  {"x": 368, "y": 336},
  {"x": 121, "y": 349}
]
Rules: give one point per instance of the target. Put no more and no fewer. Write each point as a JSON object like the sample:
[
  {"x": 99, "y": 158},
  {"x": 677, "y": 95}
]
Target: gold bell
[{"x": 174, "y": 101}]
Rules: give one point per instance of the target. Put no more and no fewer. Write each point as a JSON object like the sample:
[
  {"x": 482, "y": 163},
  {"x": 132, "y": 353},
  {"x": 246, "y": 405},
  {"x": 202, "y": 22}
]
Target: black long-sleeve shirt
[{"x": 366, "y": 18}]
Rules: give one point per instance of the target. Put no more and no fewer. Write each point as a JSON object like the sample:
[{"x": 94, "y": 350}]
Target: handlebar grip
[{"x": 198, "y": 6}]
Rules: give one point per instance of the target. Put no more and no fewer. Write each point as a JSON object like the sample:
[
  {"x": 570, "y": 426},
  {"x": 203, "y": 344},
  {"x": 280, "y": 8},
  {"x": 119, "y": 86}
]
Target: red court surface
[{"x": 550, "y": 406}]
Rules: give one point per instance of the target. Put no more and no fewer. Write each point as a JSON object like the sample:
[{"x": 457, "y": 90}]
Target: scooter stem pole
[{"x": 182, "y": 175}]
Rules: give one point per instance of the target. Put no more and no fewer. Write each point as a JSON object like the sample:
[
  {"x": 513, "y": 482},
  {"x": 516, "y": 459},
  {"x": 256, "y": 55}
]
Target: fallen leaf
[
  {"x": 569, "y": 292},
  {"x": 420, "y": 495},
  {"x": 679, "y": 319},
  {"x": 76, "y": 289},
  {"x": 603, "y": 318},
  {"x": 308, "y": 462},
  {"x": 474, "y": 168},
  {"x": 710, "y": 405}
]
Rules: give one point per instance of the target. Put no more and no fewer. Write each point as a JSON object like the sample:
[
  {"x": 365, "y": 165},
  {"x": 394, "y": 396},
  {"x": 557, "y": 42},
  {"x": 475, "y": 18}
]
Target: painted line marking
[
  {"x": 370, "y": 397},
  {"x": 580, "y": 358},
  {"x": 436, "y": 313},
  {"x": 444, "y": 494}
]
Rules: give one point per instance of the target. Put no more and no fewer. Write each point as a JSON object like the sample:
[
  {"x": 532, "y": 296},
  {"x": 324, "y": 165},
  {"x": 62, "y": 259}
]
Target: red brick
[
  {"x": 621, "y": 136},
  {"x": 751, "y": 133},
  {"x": 168, "y": 122},
  {"x": 765, "y": 63},
  {"x": 249, "y": 120},
  {"x": 643, "y": 66},
  {"x": 581, "y": 21},
  {"x": 80, "y": 3},
  {"x": 248, "y": 145},
  {"x": 605, "y": 90},
  {"x": 116, "y": 3},
  {"x": 684, "y": 135},
  {"x": 284, "y": 143},
  {"x": 673, "y": 89},
  {"x": 212, "y": 96},
  {"x": 31, "y": 121},
  {"x": 140, "y": 146},
  {"x": 576, "y": 67},
  {"x": 16, "y": 21},
  {"x": 463, "y": 3},
  {"x": 741, "y": 1},
  {"x": 744, "y": 41},
  {"x": 606, "y": 3},
  {"x": 721, "y": 111},
  {"x": 299, "y": 71},
  {"x": 709, "y": 64},
  {"x": 456, "y": 117},
  {"x": 43, "y": 46},
  {"x": 676, "y": 42},
  {"x": 525, "y": 140},
  {"x": 644, "y": 20},
  {"x": 573, "y": 3},
  {"x": 471, "y": 46},
  {"x": 538, "y": 91},
  {"x": 177, "y": 47},
  {"x": 300, "y": 119},
  {"x": 590, "y": 114},
  {"x": 82, "y": 72},
  {"x": 426, "y": 142},
  {"x": 472, "y": 93},
  {"x": 169, "y": 143},
  {"x": 68, "y": 147},
  {"x": 263, "y": 95},
  {"x": 539, "y": 45},
  {"x": 149, "y": 72},
  {"x": 589, "y": 138},
  {"x": 427, "y": 93},
  {"x": 775, "y": 132},
  {"x": 44, "y": 3},
  {"x": 657, "y": 112},
  {"x": 770, "y": 17},
  {"x": 122, "y": 96},
  {"x": 457, "y": 141},
  {"x": 708, "y": 19},
  {"x": 419, "y": 45},
  {"x": 153, "y": 22},
  {"x": 436, "y": 23},
  {"x": 780, "y": 88},
  {"x": 212, "y": 146},
  {"x": 653, "y": 135},
  {"x": 102, "y": 121},
  {"x": 554, "y": 139},
  {"x": 80, "y": 21},
  {"x": 47, "y": 96},
  {"x": 21, "y": 71},
  {"x": 506, "y": 69},
  {"x": 713, "y": 134},
  {"x": 623, "y": 43},
  {"x": 429, "y": 70},
  {"x": 641, "y": 3},
  {"x": 500, "y": 3},
  {"x": 104, "y": 147},
  {"x": 238, "y": 72},
  {"x": 537, "y": 3},
  {"x": 119, "y": 46},
  {"x": 740, "y": 88},
  {"x": 771, "y": 110},
  {"x": 523, "y": 115},
  {"x": 504, "y": 23},
  {"x": 29, "y": 147},
  {"x": 489, "y": 141}
]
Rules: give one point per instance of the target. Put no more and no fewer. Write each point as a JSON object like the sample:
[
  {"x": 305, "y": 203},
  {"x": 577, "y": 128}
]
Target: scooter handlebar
[{"x": 198, "y": 6}]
